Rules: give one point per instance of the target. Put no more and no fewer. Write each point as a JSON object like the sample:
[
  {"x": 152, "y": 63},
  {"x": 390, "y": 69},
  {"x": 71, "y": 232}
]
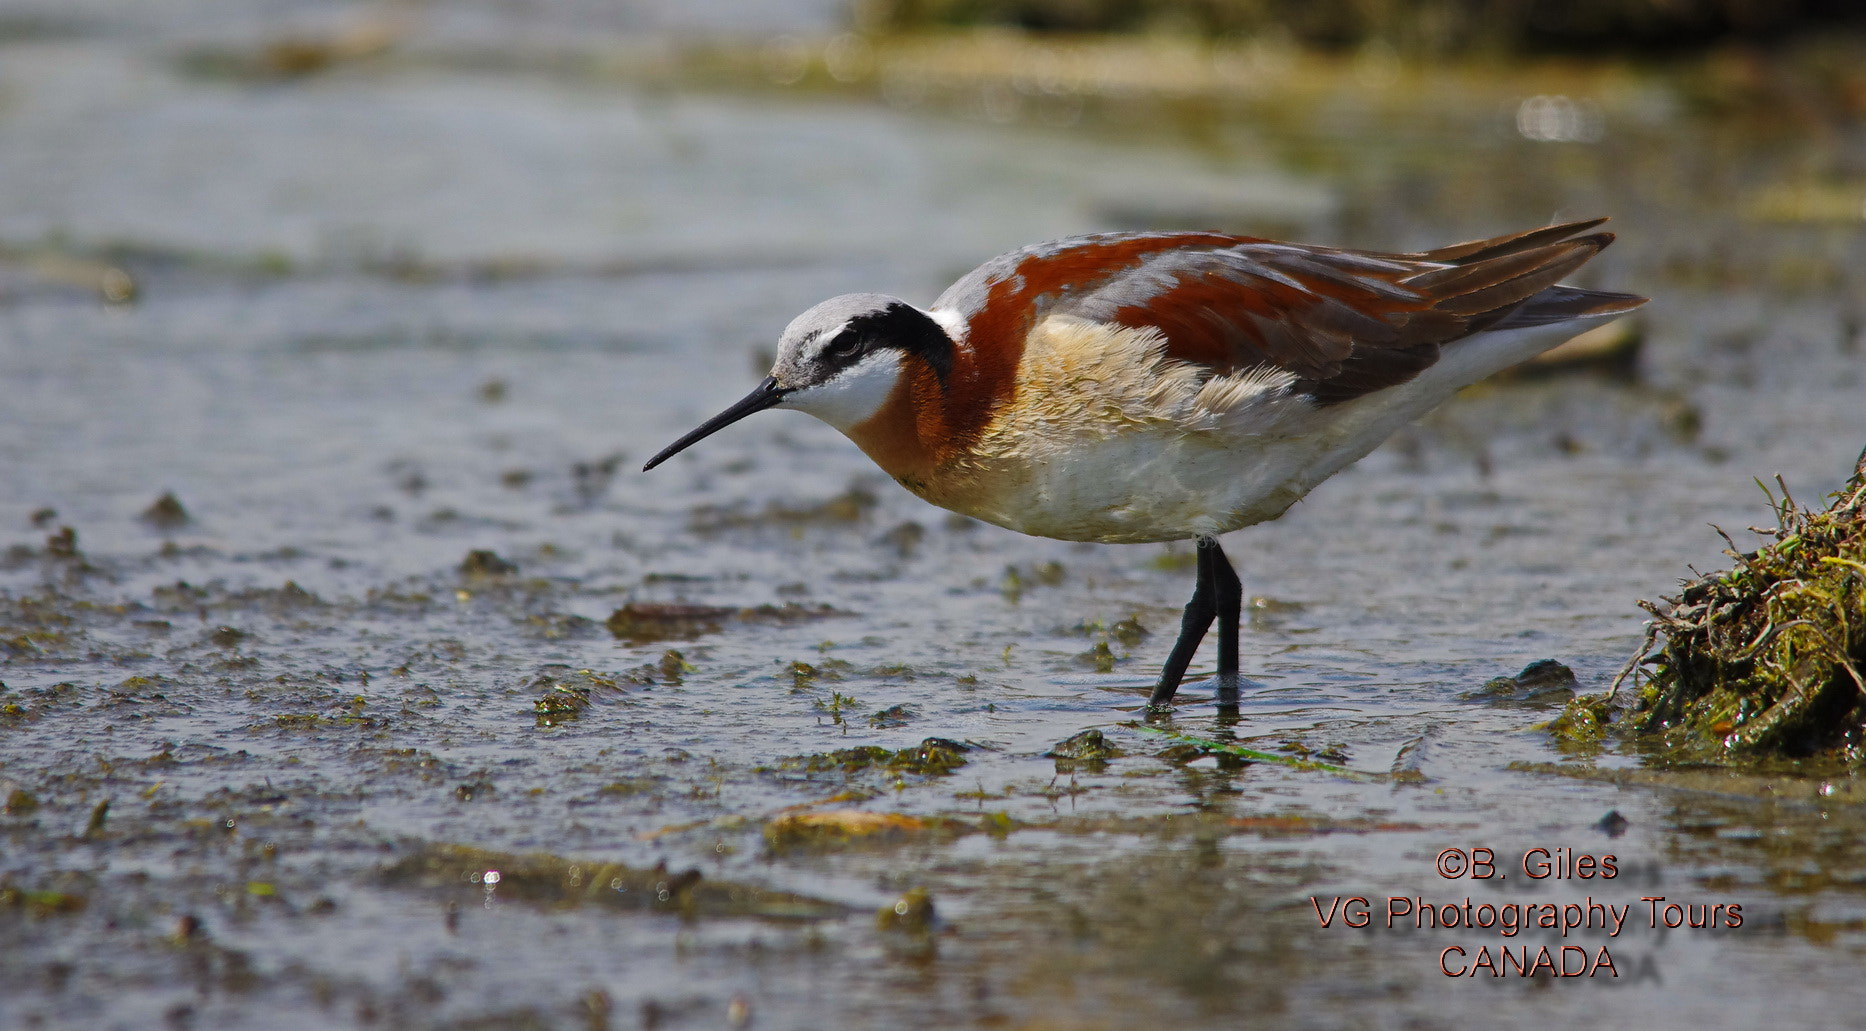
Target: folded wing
[{"x": 1345, "y": 323}]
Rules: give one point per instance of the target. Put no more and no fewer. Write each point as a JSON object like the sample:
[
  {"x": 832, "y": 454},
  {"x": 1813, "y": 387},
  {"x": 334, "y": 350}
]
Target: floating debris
[{"x": 1767, "y": 659}]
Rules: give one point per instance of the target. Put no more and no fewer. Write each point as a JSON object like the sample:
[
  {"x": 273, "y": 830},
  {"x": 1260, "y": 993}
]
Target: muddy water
[{"x": 289, "y": 756}]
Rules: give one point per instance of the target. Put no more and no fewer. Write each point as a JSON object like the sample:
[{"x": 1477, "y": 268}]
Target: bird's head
[{"x": 840, "y": 361}]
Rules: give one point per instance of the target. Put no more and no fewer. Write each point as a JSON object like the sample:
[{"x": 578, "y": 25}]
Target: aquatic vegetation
[
  {"x": 40, "y": 902},
  {"x": 912, "y": 913},
  {"x": 647, "y": 622},
  {"x": 1190, "y": 746},
  {"x": 1099, "y": 658},
  {"x": 561, "y": 702},
  {"x": 893, "y": 716},
  {"x": 838, "y": 827},
  {"x": 931, "y": 757},
  {"x": 1090, "y": 748},
  {"x": 1766, "y": 658},
  {"x": 550, "y": 881}
]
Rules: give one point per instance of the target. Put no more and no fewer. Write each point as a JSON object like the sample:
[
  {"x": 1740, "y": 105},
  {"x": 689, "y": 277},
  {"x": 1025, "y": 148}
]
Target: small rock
[
  {"x": 1543, "y": 682},
  {"x": 165, "y": 513},
  {"x": 1613, "y": 824}
]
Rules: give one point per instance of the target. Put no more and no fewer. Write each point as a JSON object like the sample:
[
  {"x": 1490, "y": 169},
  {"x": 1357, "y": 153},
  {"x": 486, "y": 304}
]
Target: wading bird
[{"x": 1140, "y": 387}]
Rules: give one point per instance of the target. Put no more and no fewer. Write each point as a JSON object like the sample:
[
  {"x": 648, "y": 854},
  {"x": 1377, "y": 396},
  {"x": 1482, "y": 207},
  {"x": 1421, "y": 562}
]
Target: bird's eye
[{"x": 848, "y": 345}]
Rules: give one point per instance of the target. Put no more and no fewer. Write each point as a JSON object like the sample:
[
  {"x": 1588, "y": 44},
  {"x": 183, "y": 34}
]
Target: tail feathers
[
  {"x": 1497, "y": 247},
  {"x": 1566, "y": 303}
]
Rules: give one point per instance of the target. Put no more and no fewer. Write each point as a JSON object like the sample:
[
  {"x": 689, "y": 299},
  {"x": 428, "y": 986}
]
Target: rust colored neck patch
[{"x": 908, "y": 437}]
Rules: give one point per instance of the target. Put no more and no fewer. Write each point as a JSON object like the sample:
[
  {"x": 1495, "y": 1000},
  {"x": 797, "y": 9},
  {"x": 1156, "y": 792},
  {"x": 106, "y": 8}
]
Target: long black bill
[{"x": 762, "y": 397}]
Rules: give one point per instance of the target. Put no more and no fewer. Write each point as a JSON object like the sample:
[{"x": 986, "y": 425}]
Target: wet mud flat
[{"x": 371, "y": 686}]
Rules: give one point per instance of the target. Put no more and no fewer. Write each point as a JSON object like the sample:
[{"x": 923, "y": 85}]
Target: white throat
[{"x": 854, "y": 395}]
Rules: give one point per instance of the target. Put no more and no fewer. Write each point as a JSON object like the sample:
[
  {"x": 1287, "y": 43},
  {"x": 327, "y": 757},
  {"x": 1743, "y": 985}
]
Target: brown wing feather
[{"x": 1346, "y": 323}]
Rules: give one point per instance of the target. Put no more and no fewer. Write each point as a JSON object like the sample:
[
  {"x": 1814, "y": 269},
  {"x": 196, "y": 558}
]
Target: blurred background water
[{"x": 305, "y": 308}]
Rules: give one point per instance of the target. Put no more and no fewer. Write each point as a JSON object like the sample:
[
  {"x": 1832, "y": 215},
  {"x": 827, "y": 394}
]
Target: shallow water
[{"x": 402, "y": 312}]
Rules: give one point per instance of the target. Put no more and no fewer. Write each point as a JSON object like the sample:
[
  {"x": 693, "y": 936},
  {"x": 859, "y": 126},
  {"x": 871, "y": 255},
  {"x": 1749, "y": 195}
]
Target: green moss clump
[
  {"x": 931, "y": 757},
  {"x": 1583, "y": 722},
  {"x": 1766, "y": 659},
  {"x": 912, "y": 913},
  {"x": 1090, "y": 746},
  {"x": 554, "y": 882},
  {"x": 561, "y": 702}
]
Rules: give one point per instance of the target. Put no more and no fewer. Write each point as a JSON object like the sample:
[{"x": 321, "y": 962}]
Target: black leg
[
  {"x": 1230, "y": 602},
  {"x": 1198, "y": 618}
]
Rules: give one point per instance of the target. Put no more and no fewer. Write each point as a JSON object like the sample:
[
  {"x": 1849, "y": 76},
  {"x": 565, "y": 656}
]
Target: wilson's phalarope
[{"x": 1137, "y": 387}]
